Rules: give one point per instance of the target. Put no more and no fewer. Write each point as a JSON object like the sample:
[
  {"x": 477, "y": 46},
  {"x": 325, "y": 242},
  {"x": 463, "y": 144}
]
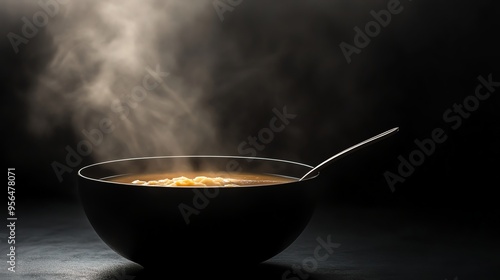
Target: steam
[
  {"x": 167, "y": 77},
  {"x": 116, "y": 79}
]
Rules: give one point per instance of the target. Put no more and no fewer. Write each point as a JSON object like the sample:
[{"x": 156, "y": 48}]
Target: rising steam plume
[
  {"x": 116, "y": 72},
  {"x": 172, "y": 79}
]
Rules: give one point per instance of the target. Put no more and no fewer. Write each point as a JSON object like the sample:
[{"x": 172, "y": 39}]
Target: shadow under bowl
[{"x": 179, "y": 226}]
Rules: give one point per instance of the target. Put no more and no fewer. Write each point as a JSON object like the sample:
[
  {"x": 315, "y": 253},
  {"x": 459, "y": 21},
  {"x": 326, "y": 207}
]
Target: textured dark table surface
[{"x": 55, "y": 241}]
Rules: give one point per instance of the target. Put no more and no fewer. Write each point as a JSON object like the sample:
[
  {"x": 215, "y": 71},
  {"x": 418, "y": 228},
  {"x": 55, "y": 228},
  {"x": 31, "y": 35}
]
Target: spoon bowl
[{"x": 190, "y": 227}]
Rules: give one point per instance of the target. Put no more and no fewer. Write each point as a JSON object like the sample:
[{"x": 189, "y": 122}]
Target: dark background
[
  {"x": 440, "y": 222},
  {"x": 424, "y": 61}
]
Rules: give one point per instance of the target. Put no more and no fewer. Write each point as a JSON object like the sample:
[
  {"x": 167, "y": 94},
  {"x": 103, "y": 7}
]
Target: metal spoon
[{"x": 349, "y": 150}]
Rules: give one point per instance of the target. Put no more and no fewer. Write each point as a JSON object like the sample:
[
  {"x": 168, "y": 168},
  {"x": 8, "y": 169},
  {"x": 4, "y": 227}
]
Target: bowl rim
[{"x": 190, "y": 156}]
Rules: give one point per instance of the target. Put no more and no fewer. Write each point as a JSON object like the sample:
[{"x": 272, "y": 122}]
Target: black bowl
[{"x": 155, "y": 226}]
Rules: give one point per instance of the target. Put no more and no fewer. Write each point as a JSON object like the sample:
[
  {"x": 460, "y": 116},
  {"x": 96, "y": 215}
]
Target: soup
[{"x": 199, "y": 179}]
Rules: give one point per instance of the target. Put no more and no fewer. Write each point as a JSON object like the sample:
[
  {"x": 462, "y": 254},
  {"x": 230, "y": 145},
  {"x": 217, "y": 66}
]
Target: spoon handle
[{"x": 349, "y": 150}]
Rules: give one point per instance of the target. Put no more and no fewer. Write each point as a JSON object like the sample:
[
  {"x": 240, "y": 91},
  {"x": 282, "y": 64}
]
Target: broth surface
[{"x": 200, "y": 179}]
